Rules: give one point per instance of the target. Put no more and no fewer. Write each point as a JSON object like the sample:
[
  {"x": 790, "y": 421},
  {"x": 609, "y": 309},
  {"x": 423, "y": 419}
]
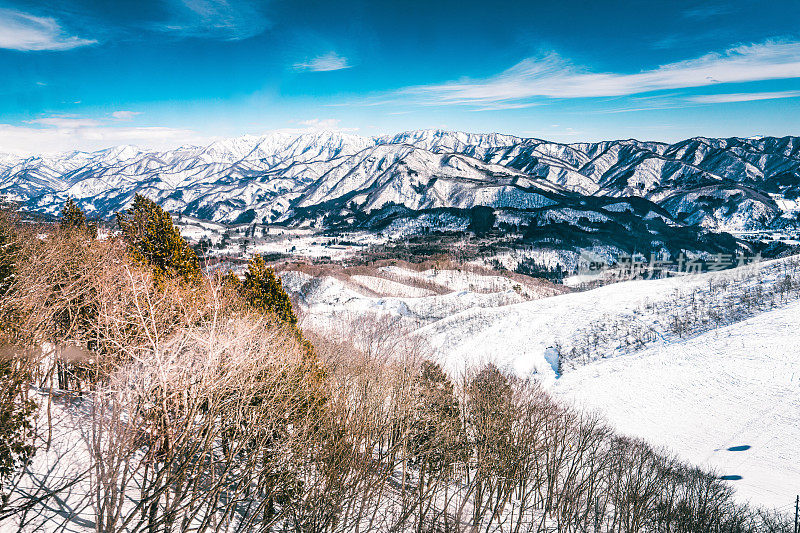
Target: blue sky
[{"x": 87, "y": 74}]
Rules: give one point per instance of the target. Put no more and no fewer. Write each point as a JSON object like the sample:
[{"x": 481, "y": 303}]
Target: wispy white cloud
[
  {"x": 551, "y": 76},
  {"x": 502, "y": 106},
  {"x": 25, "y": 32},
  {"x": 660, "y": 106},
  {"x": 694, "y": 39},
  {"x": 742, "y": 97},
  {"x": 222, "y": 19},
  {"x": 125, "y": 115},
  {"x": 65, "y": 122},
  {"x": 321, "y": 123},
  {"x": 315, "y": 124},
  {"x": 324, "y": 63},
  {"x": 708, "y": 11},
  {"x": 554, "y": 132},
  {"x": 60, "y": 133},
  {"x": 63, "y": 133}
]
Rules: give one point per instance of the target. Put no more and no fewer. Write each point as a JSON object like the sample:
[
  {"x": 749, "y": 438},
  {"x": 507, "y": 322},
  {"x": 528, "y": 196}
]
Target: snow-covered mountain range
[{"x": 719, "y": 184}]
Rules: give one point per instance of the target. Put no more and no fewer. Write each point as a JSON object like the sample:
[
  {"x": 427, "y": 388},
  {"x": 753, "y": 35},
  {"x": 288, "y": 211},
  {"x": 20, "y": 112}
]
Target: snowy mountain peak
[
  {"x": 717, "y": 183},
  {"x": 455, "y": 141}
]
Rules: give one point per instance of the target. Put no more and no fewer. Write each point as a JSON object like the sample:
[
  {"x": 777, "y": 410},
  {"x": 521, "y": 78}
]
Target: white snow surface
[
  {"x": 381, "y": 285},
  {"x": 328, "y": 300},
  {"x": 734, "y": 386},
  {"x": 457, "y": 280},
  {"x": 727, "y": 400}
]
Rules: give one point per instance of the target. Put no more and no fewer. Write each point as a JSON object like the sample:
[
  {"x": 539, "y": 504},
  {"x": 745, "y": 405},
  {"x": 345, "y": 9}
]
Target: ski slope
[
  {"x": 517, "y": 337},
  {"x": 728, "y": 399}
]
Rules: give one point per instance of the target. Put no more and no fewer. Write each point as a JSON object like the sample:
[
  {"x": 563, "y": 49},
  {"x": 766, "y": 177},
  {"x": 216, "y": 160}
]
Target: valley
[
  {"x": 695, "y": 364},
  {"x": 650, "y": 287}
]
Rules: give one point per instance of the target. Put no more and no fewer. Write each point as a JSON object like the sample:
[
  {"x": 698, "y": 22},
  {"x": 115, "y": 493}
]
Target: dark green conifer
[
  {"x": 154, "y": 240},
  {"x": 73, "y": 218},
  {"x": 231, "y": 281},
  {"x": 16, "y": 419},
  {"x": 9, "y": 252},
  {"x": 436, "y": 430},
  {"x": 16, "y": 408},
  {"x": 263, "y": 290}
]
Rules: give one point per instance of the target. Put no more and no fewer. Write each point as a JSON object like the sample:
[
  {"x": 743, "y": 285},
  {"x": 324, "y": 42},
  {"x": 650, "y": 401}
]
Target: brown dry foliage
[{"x": 198, "y": 414}]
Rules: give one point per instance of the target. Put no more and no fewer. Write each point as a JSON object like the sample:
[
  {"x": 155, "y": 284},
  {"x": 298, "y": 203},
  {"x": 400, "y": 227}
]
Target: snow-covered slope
[
  {"x": 415, "y": 297},
  {"x": 722, "y": 207},
  {"x": 419, "y": 179},
  {"x": 728, "y": 399},
  {"x": 265, "y": 177},
  {"x": 722, "y": 391},
  {"x": 611, "y": 320}
]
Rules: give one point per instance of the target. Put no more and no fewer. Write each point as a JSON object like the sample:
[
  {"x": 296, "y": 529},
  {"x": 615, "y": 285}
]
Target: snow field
[
  {"x": 724, "y": 396},
  {"x": 727, "y": 400}
]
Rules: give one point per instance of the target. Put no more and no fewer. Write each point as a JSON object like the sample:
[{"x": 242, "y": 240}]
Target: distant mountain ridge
[{"x": 716, "y": 183}]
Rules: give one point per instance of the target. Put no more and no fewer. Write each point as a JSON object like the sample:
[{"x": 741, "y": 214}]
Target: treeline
[{"x": 172, "y": 400}]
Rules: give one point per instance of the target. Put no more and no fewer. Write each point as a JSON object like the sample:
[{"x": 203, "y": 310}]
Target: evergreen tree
[
  {"x": 491, "y": 417},
  {"x": 153, "y": 239},
  {"x": 436, "y": 441},
  {"x": 231, "y": 281},
  {"x": 16, "y": 408},
  {"x": 306, "y": 397},
  {"x": 9, "y": 252},
  {"x": 263, "y": 290},
  {"x": 73, "y": 218},
  {"x": 490, "y": 398},
  {"x": 16, "y": 419}
]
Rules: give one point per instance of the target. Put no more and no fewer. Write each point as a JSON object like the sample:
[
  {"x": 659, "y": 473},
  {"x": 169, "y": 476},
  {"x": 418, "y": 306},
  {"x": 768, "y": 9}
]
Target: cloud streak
[
  {"x": 708, "y": 11},
  {"x": 125, "y": 115},
  {"x": 63, "y": 133},
  {"x": 230, "y": 20},
  {"x": 28, "y": 33},
  {"x": 320, "y": 124},
  {"x": 324, "y": 63},
  {"x": 551, "y": 76},
  {"x": 742, "y": 97},
  {"x": 65, "y": 122}
]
